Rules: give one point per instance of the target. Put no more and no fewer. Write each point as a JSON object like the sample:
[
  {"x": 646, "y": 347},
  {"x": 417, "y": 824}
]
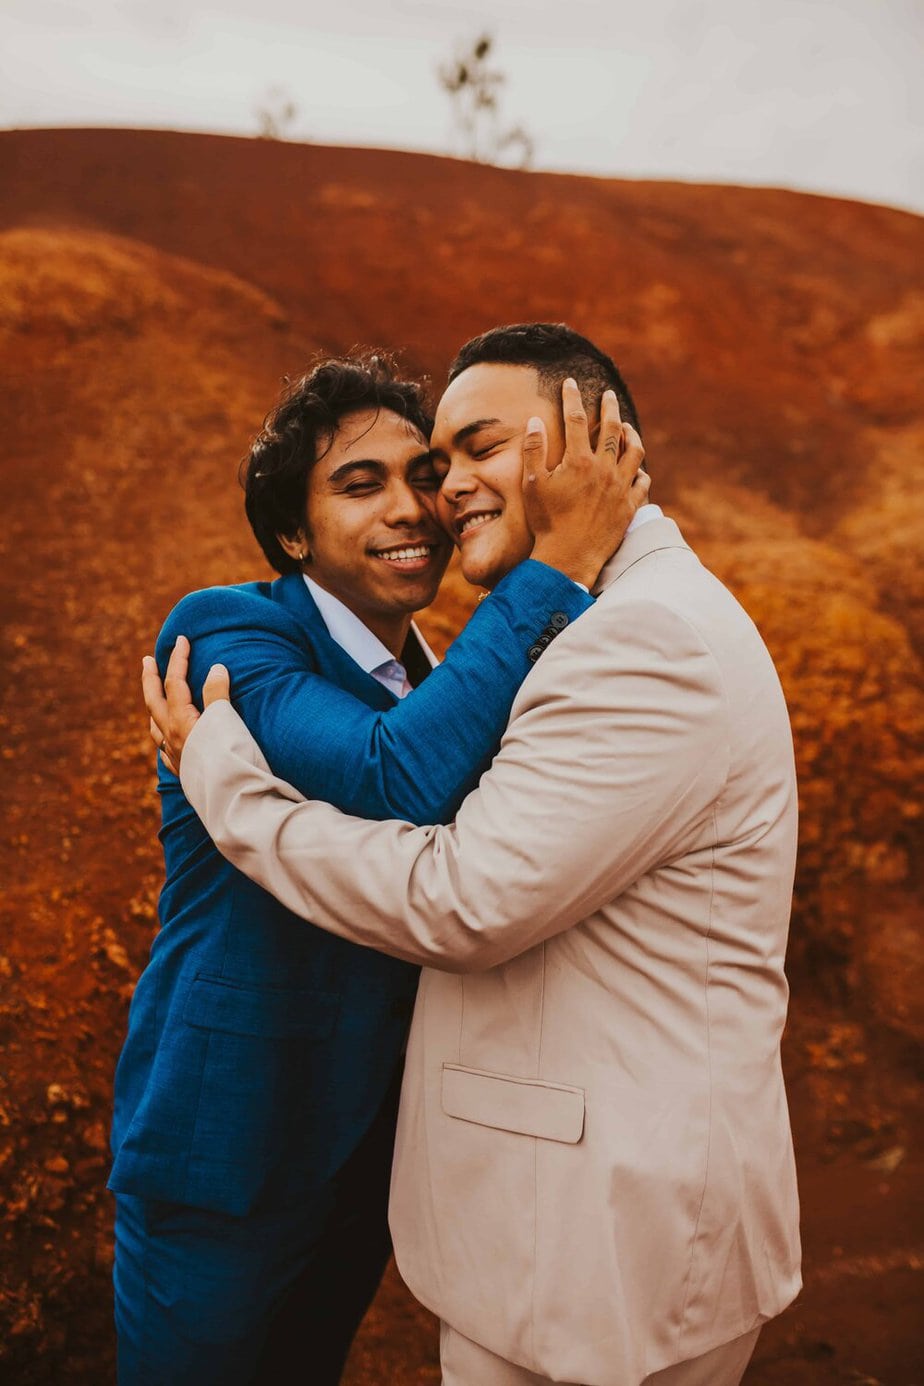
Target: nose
[
  {"x": 405, "y": 506},
  {"x": 459, "y": 481}
]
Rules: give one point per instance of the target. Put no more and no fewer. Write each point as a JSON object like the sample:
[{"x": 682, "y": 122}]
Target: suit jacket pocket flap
[
  {"x": 528, "y": 1106},
  {"x": 217, "y": 1003}
]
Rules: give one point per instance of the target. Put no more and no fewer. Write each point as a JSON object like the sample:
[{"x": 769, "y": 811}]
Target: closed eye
[
  {"x": 487, "y": 448},
  {"x": 361, "y": 488},
  {"x": 428, "y": 477}
]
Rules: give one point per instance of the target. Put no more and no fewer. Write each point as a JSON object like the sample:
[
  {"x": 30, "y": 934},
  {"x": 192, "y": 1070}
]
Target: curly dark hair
[
  {"x": 555, "y": 351},
  {"x": 300, "y": 429}
]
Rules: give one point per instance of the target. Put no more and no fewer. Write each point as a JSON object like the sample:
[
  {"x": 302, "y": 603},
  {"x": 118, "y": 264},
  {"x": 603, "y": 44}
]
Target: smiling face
[
  {"x": 477, "y": 452},
  {"x": 371, "y": 527}
]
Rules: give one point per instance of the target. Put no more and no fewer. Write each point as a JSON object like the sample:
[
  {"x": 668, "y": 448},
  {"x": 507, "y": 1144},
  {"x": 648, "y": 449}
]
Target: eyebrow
[
  {"x": 465, "y": 433},
  {"x": 375, "y": 464}
]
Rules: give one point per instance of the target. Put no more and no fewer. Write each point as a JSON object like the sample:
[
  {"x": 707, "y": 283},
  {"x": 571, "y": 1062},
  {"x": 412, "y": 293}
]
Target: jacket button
[
  {"x": 533, "y": 653},
  {"x": 558, "y": 620}
]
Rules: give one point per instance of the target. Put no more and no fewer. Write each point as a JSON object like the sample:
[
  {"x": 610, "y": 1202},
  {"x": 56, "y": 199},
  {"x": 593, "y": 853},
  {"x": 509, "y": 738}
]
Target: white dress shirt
[
  {"x": 646, "y": 512},
  {"x": 358, "y": 641}
]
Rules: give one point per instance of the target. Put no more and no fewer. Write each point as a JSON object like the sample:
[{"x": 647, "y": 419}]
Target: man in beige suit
[{"x": 594, "y": 1178}]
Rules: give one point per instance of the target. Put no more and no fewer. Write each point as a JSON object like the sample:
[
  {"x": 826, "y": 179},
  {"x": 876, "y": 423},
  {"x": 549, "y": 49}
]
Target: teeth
[
  {"x": 421, "y": 551},
  {"x": 474, "y": 521}
]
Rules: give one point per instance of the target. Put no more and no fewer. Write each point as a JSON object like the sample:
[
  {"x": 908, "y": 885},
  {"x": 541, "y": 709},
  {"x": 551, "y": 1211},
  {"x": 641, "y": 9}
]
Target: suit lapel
[
  {"x": 334, "y": 663},
  {"x": 648, "y": 538}
]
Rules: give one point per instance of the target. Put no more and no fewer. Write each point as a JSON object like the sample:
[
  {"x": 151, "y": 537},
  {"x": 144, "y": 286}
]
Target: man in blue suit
[{"x": 256, "y": 1093}]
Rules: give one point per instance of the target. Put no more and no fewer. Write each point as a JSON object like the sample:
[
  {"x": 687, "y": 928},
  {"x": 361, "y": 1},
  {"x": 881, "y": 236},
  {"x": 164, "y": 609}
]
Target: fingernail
[
  {"x": 609, "y": 394},
  {"x": 570, "y": 380},
  {"x": 534, "y": 424}
]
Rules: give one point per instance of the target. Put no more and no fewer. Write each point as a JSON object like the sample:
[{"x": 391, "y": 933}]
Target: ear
[{"x": 295, "y": 545}]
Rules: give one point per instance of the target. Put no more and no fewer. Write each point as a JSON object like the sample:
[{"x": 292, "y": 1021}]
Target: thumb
[
  {"x": 217, "y": 685},
  {"x": 535, "y": 449}
]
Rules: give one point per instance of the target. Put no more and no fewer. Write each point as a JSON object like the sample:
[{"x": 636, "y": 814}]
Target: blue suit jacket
[{"x": 259, "y": 1048}]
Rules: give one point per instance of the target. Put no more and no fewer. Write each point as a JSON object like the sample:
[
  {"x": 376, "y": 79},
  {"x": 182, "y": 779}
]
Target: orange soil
[{"x": 153, "y": 290}]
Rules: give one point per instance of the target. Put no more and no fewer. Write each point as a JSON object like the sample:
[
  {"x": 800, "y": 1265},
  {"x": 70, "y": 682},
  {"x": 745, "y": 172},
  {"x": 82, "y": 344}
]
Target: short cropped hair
[
  {"x": 555, "y": 351},
  {"x": 299, "y": 431}
]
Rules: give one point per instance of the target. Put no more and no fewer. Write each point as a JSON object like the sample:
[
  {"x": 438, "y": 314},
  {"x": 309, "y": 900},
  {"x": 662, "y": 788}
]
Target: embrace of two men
[{"x": 581, "y": 826}]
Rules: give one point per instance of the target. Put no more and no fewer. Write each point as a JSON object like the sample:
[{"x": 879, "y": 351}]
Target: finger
[
  {"x": 535, "y": 449},
  {"x": 174, "y": 770},
  {"x": 178, "y": 695},
  {"x": 217, "y": 685},
  {"x": 610, "y": 440},
  {"x": 153, "y": 691},
  {"x": 156, "y": 733},
  {"x": 577, "y": 435},
  {"x": 640, "y": 487},
  {"x": 633, "y": 454}
]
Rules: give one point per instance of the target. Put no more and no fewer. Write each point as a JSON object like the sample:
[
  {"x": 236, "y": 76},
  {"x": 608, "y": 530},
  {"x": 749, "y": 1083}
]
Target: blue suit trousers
[{"x": 294, "y": 1282}]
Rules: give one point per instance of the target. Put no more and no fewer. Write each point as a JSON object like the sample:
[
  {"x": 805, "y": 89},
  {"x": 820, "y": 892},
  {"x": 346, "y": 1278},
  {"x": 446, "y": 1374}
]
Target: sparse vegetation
[
  {"x": 473, "y": 87},
  {"x": 275, "y": 113}
]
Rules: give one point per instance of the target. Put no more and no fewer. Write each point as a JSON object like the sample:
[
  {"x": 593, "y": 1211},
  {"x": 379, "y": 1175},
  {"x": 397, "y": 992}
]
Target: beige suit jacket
[{"x": 594, "y": 1173}]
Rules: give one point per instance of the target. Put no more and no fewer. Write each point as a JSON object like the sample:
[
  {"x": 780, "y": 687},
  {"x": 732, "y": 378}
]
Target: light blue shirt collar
[{"x": 358, "y": 641}]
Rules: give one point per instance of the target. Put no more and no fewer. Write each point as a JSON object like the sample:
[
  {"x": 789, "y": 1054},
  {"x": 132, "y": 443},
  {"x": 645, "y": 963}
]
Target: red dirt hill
[{"x": 153, "y": 290}]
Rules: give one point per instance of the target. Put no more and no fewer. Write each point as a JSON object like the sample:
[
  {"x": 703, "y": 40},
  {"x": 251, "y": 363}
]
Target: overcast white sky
[{"x": 825, "y": 95}]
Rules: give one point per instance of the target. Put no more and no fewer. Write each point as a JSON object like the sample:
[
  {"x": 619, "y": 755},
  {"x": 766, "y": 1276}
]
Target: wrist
[{"x": 575, "y": 566}]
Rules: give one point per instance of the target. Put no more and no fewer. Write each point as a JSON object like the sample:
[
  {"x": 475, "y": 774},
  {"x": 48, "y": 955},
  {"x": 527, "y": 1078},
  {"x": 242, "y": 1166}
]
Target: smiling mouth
[
  {"x": 475, "y": 521},
  {"x": 408, "y": 557}
]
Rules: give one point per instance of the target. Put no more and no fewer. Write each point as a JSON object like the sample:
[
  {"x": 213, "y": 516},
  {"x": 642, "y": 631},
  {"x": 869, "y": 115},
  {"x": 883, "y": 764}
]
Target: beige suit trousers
[{"x": 464, "y": 1363}]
